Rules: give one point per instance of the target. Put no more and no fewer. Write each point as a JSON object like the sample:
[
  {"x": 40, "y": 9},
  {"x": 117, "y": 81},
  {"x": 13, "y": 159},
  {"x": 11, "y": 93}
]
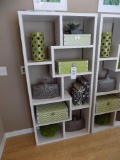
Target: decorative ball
[
  {"x": 49, "y": 130},
  {"x": 102, "y": 119}
]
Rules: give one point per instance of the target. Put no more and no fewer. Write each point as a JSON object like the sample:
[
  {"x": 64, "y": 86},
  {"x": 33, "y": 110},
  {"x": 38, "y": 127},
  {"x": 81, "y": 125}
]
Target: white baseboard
[
  {"x": 18, "y": 133},
  {"x": 2, "y": 145}
]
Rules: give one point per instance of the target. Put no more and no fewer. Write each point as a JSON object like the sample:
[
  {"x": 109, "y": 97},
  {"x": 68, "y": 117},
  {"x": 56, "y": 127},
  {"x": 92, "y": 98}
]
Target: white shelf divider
[{"x": 32, "y": 63}]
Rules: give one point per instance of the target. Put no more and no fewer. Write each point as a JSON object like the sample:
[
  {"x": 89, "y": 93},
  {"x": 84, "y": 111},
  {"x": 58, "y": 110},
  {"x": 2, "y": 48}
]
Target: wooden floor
[{"x": 98, "y": 146}]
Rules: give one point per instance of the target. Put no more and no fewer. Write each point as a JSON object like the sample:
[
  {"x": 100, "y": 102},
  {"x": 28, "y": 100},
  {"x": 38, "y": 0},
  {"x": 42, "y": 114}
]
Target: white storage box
[{"x": 77, "y": 39}]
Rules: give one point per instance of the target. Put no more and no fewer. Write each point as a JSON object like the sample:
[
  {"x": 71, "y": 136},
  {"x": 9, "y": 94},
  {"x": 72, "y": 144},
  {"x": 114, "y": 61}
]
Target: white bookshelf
[
  {"x": 51, "y": 23},
  {"x": 108, "y": 23}
]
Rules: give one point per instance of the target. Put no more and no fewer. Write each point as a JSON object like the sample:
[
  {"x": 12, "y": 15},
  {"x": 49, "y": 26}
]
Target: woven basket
[{"x": 44, "y": 91}]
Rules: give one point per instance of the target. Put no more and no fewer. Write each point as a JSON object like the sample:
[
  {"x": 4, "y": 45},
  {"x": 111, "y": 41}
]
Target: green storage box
[
  {"x": 52, "y": 112},
  {"x": 77, "y": 39},
  {"x": 107, "y": 103},
  {"x": 64, "y": 66}
]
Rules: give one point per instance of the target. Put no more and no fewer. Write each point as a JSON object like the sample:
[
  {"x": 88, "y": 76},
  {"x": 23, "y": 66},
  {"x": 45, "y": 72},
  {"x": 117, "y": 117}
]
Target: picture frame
[
  {"x": 110, "y": 8},
  {"x": 50, "y": 5}
]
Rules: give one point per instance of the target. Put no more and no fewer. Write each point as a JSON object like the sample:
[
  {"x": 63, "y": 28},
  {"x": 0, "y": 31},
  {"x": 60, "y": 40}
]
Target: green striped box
[
  {"x": 107, "y": 103},
  {"x": 52, "y": 112},
  {"x": 64, "y": 66},
  {"x": 77, "y": 39}
]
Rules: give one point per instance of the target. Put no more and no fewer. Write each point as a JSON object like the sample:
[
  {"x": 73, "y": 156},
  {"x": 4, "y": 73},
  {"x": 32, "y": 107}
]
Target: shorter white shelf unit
[
  {"x": 108, "y": 23},
  {"x": 52, "y": 25}
]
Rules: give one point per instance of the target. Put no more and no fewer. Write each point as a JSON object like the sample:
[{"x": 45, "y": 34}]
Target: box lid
[
  {"x": 52, "y": 107},
  {"x": 107, "y": 97},
  {"x": 71, "y": 60}
]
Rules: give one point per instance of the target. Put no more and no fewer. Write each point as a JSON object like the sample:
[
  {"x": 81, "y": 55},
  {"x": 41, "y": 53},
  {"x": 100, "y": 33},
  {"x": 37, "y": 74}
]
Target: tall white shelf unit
[
  {"x": 52, "y": 24},
  {"x": 108, "y": 23}
]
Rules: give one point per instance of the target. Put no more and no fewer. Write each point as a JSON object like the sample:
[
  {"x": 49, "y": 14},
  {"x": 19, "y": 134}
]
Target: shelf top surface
[
  {"x": 52, "y": 100},
  {"x": 33, "y": 12},
  {"x": 51, "y": 16},
  {"x": 71, "y": 47}
]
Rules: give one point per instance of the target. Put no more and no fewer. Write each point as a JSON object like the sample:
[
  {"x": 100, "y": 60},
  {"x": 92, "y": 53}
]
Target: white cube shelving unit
[
  {"x": 108, "y": 23},
  {"x": 51, "y": 24}
]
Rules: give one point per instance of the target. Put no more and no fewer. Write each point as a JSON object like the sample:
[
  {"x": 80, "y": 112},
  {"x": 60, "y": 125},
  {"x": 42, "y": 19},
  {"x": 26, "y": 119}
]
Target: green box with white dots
[
  {"x": 106, "y": 41},
  {"x": 64, "y": 66}
]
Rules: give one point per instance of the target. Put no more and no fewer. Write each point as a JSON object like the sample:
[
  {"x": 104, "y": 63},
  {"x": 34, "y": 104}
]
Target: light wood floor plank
[{"x": 97, "y": 146}]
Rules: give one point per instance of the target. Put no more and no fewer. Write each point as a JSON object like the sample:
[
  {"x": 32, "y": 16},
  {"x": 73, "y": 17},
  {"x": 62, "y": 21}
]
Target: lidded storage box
[
  {"x": 77, "y": 39},
  {"x": 64, "y": 66},
  {"x": 107, "y": 103},
  {"x": 52, "y": 112}
]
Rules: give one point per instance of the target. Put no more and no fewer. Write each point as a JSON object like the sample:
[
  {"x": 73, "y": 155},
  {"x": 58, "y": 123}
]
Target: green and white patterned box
[
  {"x": 77, "y": 39},
  {"x": 52, "y": 112},
  {"x": 64, "y": 66},
  {"x": 107, "y": 103}
]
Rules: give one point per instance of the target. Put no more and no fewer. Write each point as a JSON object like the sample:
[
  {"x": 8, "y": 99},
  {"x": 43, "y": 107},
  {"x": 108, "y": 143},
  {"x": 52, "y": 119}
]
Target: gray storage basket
[
  {"x": 106, "y": 84},
  {"x": 44, "y": 91},
  {"x": 74, "y": 125}
]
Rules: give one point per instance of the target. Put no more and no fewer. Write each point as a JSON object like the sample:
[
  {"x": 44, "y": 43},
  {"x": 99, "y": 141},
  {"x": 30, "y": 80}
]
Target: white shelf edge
[
  {"x": 67, "y": 97},
  {"x": 72, "y": 47},
  {"x": 109, "y": 92},
  {"x": 108, "y": 59},
  {"x": 76, "y": 133},
  {"x": 32, "y": 12},
  {"x": 67, "y": 136},
  {"x": 58, "y": 136},
  {"x": 98, "y": 128},
  {"x": 45, "y": 124},
  {"x": 32, "y": 63},
  {"x": 105, "y": 112},
  {"x": 80, "y": 106},
  {"x": 117, "y": 123},
  {"x": 68, "y": 75},
  {"x": 118, "y": 70}
]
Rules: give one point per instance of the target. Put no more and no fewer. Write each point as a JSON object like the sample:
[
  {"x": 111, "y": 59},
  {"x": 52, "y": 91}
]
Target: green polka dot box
[
  {"x": 106, "y": 41},
  {"x": 52, "y": 112},
  {"x": 64, "y": 66},
  {"x": 107, "y": 103},
  {"x": 37, "y": 45},
  {"x": 77, "y": 39}
]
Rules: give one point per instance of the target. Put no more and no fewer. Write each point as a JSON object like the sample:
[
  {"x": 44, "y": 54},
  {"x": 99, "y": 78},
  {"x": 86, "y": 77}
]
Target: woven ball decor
[{"x": 49, "y": 130}]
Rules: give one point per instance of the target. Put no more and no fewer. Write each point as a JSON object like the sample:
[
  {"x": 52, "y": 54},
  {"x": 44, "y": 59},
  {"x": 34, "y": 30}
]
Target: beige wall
[
  {"x": 14, "y": 102},
  {"x": 1, "y": 131}
]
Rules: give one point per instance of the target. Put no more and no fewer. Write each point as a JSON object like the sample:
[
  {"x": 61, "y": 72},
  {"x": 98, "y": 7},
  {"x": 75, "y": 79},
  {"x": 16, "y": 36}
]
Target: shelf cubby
[
  {"x": 86, "y": 21},
  {"x": 113, "y": 65},
  {"x": 68, "y": 104},
  {"x": 49, "y": 25},
  {"x": 37, "y": 75},
  {"x": 112, "y": 74},
  {"x": 72, "y": 53},
  {"x": 59, "y": 135},
  {"x": 98, "y": 127},
  {"x": 117, "y": 119},
  {"x": 68, "y": 84},
  {"x": 84, "y": 114}
]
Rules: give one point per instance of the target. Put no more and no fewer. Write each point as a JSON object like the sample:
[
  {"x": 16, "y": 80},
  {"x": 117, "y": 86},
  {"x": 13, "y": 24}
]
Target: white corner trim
[
  {"x": 2, "y": 145},
  {"x": 18, "y": 133}
]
